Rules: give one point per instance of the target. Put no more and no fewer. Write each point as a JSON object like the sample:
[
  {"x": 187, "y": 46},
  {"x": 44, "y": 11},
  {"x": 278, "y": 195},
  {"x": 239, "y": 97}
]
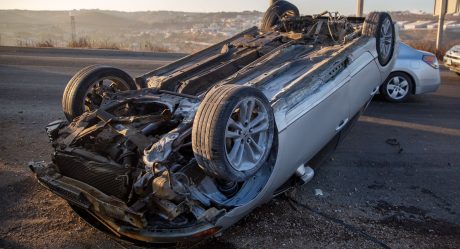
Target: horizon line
[{"x": 179, "y": 11}]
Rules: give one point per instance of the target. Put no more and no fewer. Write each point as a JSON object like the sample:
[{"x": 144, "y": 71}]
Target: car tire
[
  {"x": 77, "y": 90},
  {"x": 380, "y": 26},
  {"x": 276, "y": 12},
  {"x": 458, "y": 74},
  {"x": 224, "y": 144},
  {"x": 397, "y": 87}
]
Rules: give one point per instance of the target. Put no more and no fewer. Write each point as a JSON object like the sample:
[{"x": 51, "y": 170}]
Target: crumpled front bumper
[{"x": 113, "y": 213}]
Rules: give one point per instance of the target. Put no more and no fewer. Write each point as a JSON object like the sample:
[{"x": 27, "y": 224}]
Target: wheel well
[{"x": 412, "y": 82}]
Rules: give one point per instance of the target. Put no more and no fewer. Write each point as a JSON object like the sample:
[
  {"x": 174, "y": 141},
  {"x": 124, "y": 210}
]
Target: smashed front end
[{"x": 131, "y": 166}]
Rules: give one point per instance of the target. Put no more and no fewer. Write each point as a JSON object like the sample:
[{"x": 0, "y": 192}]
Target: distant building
[
  {"x": 401, "y": 24},
  {"x": 418, "y": 25},
  {"x": 447, "y": 24}
]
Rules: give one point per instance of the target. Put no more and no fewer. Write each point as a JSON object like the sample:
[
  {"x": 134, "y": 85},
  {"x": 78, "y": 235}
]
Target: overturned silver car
[{"x": 187, "y": 150}]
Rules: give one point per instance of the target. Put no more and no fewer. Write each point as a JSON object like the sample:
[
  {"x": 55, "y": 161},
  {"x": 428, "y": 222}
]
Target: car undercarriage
[{"x": 135, "y": 163}]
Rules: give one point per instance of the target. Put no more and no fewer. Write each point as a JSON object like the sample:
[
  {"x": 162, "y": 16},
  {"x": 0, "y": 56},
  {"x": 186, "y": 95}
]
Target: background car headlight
[{"x": 431, "y": 60}]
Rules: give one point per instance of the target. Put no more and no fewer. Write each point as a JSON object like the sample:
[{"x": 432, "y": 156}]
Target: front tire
[
  {"x": 233, "y": 132},
  {"x": 397, "y": 87},
  {"x": 86, "y": 90}
]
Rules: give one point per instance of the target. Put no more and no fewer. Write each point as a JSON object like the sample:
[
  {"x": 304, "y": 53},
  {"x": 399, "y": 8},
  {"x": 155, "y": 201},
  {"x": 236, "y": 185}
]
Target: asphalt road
[{"x": 393, "y": 183}]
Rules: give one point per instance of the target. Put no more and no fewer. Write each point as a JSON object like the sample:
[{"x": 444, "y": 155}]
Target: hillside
[{"x": 148, "y": 30}]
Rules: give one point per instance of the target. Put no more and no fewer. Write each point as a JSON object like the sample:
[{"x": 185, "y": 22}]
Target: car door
[
  {"x": 365, "y": 79},
  {"x": 312, "y": 124}
]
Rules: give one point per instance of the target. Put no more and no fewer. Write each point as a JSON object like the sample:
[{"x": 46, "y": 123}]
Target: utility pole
[
  {"x": 359, "y": 8},
  {"x": 442, "y": 16},
  {"x": 72, "y": 27}
]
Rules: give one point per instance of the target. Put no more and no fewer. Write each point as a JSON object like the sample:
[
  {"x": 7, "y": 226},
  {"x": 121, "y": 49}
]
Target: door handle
[
  {"x": 374, "y": 92},
  {"x": 342, "y": 124}
]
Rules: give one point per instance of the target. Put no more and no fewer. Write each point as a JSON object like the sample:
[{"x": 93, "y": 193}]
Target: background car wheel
[
  {"x": 380, "y": 25},
  {"x": 458, "y": 74},
  {"x": 397, "y": 87},
  {"x": 276, "y": 12},
  {"x": 233, "y": 132},
  {"x": 86, "y": 89}
]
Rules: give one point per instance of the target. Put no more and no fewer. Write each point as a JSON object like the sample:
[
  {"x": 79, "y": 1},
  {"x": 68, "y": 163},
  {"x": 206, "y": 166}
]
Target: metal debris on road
[
  {"x": 395, "y": 142},
  {"x": 318, "y": 192}
]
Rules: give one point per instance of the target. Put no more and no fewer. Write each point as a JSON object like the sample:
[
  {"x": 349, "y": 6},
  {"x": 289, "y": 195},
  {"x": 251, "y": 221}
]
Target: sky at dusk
[{"x": 305, "y": 6}]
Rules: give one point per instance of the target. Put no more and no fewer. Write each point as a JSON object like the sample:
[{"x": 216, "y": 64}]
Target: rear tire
[
  {"x": 233, "y": 132},
  {"x": 79, "y": 95},
  {"x": 276, "y": 12},
  {"x": 380, "y": 26}
]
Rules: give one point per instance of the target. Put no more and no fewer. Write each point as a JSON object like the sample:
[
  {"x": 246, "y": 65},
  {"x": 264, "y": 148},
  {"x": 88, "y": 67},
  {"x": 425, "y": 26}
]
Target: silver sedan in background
[
  {"x": 415, "y": 72},
  {"x": 452, "y": 59}
]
